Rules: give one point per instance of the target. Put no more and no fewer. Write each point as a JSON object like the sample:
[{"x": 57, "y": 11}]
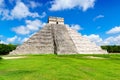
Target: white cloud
[
  {"x": 34, "y": 4},
  {"x": 2, "y": 4},
  {"x": 25, "y": 39},
  {"x": 19, "y": 11},
  {"x": 112, "y": 40},
  {"x": 21, "y": 30},
  {"x": 3, "y": 42},
  {"x": 12, "y": 39},
  {"x": 43, "y": 15},
  {"x": 29, "y": 27},
  {"x": 34, "y": 25},
  {"x": 5, "y": 14},
  {"x": 98, "y": 17},
  {"x": 11, "y": 1},
  {"x": 107, "y": 41},
  {"x": 114, "y": 30},
  {"x": 70, "y": 4},
  {"x": 94, "y": 38},
  {"x": 30, "y": 3},
  {"x": 22, "y": 11},
  {"x": 76, "y": 27}
]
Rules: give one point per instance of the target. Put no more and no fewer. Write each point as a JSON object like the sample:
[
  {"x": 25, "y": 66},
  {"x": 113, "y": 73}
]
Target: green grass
[{"x": 61, "y": 67}]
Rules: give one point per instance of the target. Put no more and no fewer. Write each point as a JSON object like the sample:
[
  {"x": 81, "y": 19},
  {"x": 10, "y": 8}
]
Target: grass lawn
[{"x": 61, "y": 67}]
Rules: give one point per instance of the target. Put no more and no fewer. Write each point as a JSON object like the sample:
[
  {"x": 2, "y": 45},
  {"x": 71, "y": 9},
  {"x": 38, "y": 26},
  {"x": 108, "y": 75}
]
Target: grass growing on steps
[{"x": 61, "y": 67}]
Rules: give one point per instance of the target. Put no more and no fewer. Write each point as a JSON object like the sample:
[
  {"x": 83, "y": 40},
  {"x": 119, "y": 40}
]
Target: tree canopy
[
  {"x": 6, "y": 48},
  {"x": 112, "y": 48}
]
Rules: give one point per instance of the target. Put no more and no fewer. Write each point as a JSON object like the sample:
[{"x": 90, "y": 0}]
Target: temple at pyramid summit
[{"x": 57, "y": 38}]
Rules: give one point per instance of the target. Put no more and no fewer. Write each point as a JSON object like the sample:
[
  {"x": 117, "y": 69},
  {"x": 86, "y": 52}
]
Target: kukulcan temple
[{"x": 57, "y": 38}]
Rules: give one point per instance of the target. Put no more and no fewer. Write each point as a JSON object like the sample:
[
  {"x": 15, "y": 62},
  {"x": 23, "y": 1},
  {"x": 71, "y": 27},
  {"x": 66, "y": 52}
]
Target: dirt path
[
  {"x": 93, "y": 57},
  {"x": 13, "y": 57}
]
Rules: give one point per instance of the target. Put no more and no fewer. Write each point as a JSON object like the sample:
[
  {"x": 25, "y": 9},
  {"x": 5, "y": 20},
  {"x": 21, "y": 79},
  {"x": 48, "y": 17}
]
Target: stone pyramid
[{"x": 57, "y": 38}]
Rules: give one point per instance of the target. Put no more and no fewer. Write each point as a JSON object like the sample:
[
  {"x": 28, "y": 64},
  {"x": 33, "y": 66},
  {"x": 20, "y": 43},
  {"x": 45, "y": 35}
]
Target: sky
[{"x": 97, "y": 20}]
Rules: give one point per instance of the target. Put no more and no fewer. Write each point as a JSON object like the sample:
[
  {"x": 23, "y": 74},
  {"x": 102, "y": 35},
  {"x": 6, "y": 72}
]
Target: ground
[{"x": 60, "y": 67}]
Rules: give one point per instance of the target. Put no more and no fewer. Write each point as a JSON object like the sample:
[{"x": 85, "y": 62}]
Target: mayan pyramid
[{"x": 57, "y": 38}]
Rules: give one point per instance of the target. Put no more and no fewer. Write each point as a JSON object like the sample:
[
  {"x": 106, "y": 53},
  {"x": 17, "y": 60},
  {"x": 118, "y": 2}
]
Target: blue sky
[{"x": 98, "y": 20}]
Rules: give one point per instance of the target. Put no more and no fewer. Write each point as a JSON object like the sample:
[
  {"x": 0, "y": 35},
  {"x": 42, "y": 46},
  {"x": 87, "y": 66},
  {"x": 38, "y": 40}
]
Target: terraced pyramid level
[{"x": 57, "y": 38}]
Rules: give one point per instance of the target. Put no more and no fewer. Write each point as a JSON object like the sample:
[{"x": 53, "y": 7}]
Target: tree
[
  {"x": 5, "y": 49},
  {"x": 112, "y": 48}
]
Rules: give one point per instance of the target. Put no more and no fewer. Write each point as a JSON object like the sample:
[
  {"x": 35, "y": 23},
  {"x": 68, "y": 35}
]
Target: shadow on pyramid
[{"x": 57, "y": 38}]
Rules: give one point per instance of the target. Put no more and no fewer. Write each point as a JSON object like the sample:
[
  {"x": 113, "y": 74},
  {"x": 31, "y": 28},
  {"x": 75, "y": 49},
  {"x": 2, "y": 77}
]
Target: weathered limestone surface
[
  {"x": 82, "y": 44},
  {"x": 62, "y": 40},
  {"x": 57, "y": 38},
  {"x": 52, "y": 39},
  {"x": 41, "y": 42}
]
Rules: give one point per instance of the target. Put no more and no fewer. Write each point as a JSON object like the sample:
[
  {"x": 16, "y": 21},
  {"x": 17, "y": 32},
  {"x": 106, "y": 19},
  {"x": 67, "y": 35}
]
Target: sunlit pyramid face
[{"x": 57, "y": 38}]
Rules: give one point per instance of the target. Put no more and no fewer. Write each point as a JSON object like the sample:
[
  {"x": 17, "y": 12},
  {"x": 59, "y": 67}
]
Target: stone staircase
[{"x": 62, "y": 40}]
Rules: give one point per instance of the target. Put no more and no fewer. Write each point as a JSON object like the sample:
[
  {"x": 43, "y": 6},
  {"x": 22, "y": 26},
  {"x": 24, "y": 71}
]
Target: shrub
[
  {"x": 111, "y": 48},
  {"x": 0, "y": 58},
  {"x": 5, "y": 49}
]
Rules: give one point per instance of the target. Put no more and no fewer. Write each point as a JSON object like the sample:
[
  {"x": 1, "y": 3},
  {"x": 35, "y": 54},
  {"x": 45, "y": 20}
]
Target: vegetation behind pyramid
[{"x": 57, "y": 38}]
